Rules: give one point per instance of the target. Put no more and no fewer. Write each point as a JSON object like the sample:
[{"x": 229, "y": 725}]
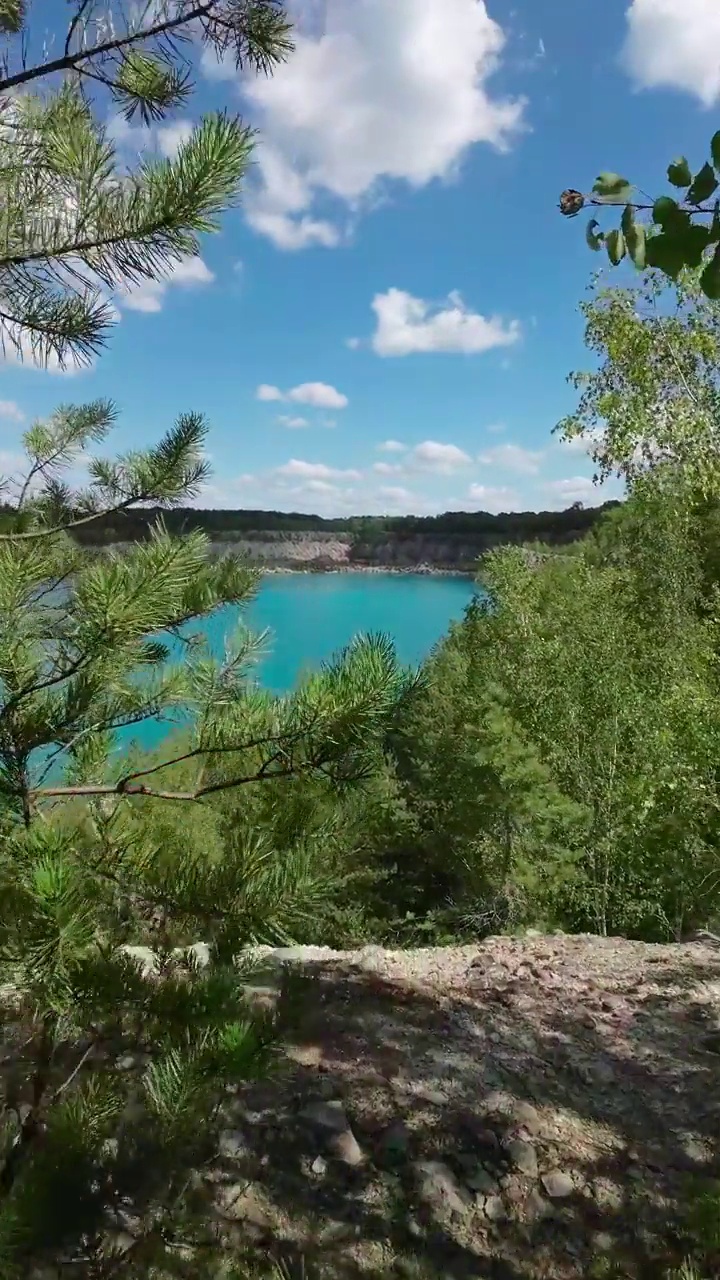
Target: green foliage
[
  {"x": 610, "y": 185},
  {"x": 677, "y": 235},
  {"x": 101, "y": 852},
  {"x": 557, "y": 768},
  {"x": 475, "y": 790},
  {"x": 615, "y": 241},
  {"x": 75, "y": 225},
  {"x": 679, "y": 173},
  {"x": 653, "y": 401}
]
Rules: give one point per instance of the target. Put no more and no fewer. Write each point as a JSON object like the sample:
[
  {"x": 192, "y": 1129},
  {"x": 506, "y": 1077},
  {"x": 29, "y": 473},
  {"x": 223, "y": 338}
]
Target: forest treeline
[{"x": 135, "y": 524}]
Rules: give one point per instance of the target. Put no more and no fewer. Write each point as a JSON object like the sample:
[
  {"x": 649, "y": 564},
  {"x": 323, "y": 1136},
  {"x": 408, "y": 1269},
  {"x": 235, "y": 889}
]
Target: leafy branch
[{"x": 679, "y": 234}]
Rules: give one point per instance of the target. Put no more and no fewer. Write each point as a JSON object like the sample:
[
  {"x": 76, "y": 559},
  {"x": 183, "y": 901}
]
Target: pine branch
[
  {"x": 75, "y": 23},
  {"x": 275, "y": 33},
  {"x": 30, "y": 535},
  {"x": 71, "y": 61},
  {"x": 124, "y": 788},
  {"x": 69, "y": 218}
]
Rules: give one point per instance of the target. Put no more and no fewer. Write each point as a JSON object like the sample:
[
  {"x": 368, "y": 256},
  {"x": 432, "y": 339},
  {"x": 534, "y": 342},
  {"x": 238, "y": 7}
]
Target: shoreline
[
  {"x": 317, "y": 567},
  {"x": 417, "y": 571}
]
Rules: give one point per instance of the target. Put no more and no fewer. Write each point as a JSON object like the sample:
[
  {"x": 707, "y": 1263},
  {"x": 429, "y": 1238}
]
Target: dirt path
[{"x": 515, "y": 1110}]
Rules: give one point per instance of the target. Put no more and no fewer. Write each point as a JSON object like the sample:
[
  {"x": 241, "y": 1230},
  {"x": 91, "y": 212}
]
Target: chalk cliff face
[
  {"x": 320, "y": 550},
  {"x": 316, "y": 551}
]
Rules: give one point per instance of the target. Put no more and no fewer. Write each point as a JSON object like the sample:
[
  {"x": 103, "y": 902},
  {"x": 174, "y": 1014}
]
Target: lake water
[{"x": 312, "y": 616}]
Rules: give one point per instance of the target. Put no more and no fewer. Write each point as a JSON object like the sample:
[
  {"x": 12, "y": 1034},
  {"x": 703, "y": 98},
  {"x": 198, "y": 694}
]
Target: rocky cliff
[{"x": 317, "y": 551}]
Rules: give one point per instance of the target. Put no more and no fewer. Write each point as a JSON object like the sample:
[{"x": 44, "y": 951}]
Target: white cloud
[
  {"x": 396, "y": 495},
  {"x": 290, "y": 235},
  {"x": 12, "y": 411},
  {"x": 11, "y": 461},
  {"x": 293, "y": 423},
  {"x": 301, "y": 470},
  {"x": 319, "y": 395},
  {"x": 496, "y": 428},
  {"x": 494, "y": 498},
  {"x": 406, "y": 325},
  {"x": 140, "y": 138},
  {"x": 124, "y": 134},
  {"x": 675, "y": 44},
  {"x": 24, "y": 358},
  {"x": 214, "y": 68},
  {"x": 575, "y": 489},
  {"x": 512, "y": 457},
  {"x": 318, "y": 486},
  {"x": 387, "y": 468},
  {"x": 353, "y": 343},
  {"x": 441, "y": 458},
  {"x": 391, "y": 446},
  {"x": 374, "y": 91},
  {"x": 583, "y": 444},
  {"x": 149, "y": 295},
  {"x": 170, "y": 137}
]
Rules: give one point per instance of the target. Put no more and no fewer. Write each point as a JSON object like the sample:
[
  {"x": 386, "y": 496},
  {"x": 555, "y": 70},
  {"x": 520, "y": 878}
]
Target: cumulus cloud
[
  {"x": 571, "y": 484},
  {"x": 19, "y": 352},
  {"x": 512, "y": 457},
  {"x": 140, "y": 138},
  {"x": 170, "y": 137},
  {"x": 11, "y": 411},
  {"x": 575, "y": 489},
  {"x": 299, "y": 469},
  {"x": 374, "y": 91},
  {"x": 391, "y": 446},
  {"x": 291, "y": 422},
  {"x": 319, "y": 395},
  {"x": 150, "y": 295},
  {"x": 406, "y": 325},
  {"x": 267, "y": 392},
  {"x": 494, "y": 498},
  {"x": 387, "y": 468},
  {"x": 11, "y": 461},
  {"x": 582, "y": 489},
  {"x": 431, "y": 455},
  {"x": 396, "y": 495},
  {"x": 675, "y": 44},
  {"x": 584, "y": 444}
]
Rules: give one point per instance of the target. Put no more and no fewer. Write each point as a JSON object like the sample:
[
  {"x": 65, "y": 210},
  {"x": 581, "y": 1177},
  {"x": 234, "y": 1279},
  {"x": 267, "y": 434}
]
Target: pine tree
[
  {"x": 123, "y": 906},
  {"x": 98, "y": 894},
  {"x": 74, "y": 224}
]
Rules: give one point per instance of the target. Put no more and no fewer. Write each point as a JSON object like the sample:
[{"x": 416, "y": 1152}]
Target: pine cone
[{"x": 571, "y": 202}]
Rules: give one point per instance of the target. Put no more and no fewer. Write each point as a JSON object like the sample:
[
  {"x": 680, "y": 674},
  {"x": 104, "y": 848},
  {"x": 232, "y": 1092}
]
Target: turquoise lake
[{"x": 311, "y": 617}]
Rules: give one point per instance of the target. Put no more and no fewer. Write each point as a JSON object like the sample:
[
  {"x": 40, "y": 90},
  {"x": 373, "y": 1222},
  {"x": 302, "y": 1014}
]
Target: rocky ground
[
  {"x": 525, "y": 1108},
  {"x": 521, "y": 1109}
]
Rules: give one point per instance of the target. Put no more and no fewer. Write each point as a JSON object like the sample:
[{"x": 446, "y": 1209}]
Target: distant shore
[{"x": 418, "y": 571}]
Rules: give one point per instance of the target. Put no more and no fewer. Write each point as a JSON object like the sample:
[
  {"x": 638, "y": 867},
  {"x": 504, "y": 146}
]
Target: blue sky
[{"x": 387, "y": 322}]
